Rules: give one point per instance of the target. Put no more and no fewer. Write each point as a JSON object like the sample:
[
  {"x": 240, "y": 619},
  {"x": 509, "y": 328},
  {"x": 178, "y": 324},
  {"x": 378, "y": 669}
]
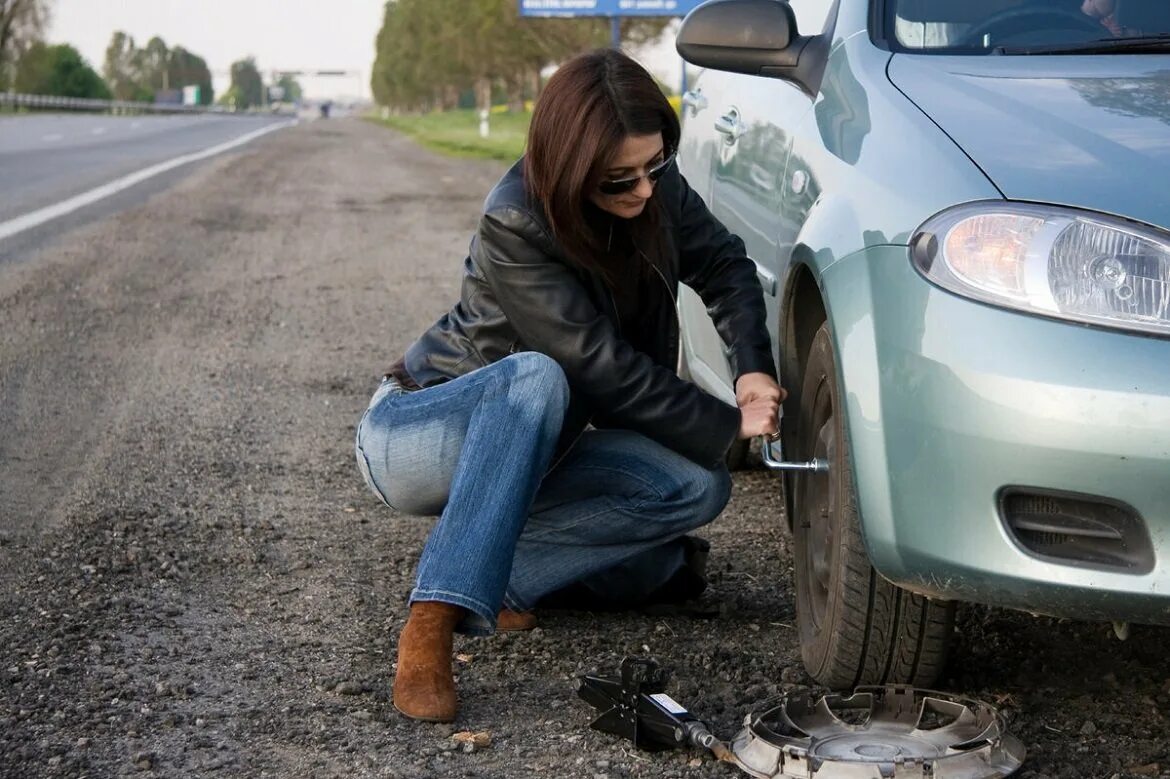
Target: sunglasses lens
[
  {"x": 617, "y": 187},
  {"x": 656, "y": 173},
  {"x": 622, "y": 186}
]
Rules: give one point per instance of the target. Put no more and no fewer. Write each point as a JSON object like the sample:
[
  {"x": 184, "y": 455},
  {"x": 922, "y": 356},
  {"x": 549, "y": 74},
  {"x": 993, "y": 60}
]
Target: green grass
[{"x": 457, "y": 133}]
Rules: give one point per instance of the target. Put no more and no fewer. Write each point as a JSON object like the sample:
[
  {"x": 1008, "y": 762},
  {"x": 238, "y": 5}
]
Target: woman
[{"x": 541, "y": 417}]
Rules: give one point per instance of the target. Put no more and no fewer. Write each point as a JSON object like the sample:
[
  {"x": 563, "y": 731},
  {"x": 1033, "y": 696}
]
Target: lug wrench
[{"x": 774, "y": 458}]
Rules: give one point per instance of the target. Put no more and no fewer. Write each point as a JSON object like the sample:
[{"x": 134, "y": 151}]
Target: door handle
[
  {"x": 694, "y": 100},
  {"x": 729, "y": 126}
]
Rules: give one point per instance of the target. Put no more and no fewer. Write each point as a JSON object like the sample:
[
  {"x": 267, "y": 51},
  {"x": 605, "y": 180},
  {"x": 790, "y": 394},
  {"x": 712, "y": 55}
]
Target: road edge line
[{"x": 48, "y": 213}]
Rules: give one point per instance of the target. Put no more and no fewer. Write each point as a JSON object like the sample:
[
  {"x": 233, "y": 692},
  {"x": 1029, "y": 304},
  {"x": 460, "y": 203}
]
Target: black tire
[{"x": 855, "y": 627}]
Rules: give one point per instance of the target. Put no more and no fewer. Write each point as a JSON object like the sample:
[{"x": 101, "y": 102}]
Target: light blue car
[{"x": 960, "y": 213}]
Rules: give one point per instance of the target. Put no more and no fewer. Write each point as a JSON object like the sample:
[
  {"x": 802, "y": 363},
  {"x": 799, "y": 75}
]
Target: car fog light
[{"x": 1050, "y": 260}]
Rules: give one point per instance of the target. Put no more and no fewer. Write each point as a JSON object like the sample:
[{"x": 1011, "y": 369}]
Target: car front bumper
[{"x": 949, "y": 402}]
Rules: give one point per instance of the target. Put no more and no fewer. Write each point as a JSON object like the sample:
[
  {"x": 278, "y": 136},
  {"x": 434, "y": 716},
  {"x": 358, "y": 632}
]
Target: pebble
[
  {"x": 1088, "y": 729},
  {"x": 143, "y": 761},
  {"x": 349, "y": 688}
]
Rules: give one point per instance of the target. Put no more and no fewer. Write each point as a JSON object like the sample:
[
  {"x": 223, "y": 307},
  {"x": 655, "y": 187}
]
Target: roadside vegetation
[
  {"x": 457, "y": 132},
  {"x": 151, "y": 73},
  {"x": 446, "y": 54}
]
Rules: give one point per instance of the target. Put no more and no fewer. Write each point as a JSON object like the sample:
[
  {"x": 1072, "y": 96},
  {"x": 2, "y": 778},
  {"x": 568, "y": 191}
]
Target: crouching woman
[{"x": 541, "y": 417}]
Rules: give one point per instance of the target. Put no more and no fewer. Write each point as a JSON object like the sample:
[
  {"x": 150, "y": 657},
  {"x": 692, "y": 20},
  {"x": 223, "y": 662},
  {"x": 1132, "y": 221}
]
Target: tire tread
[{"x": 879, "y": 633}]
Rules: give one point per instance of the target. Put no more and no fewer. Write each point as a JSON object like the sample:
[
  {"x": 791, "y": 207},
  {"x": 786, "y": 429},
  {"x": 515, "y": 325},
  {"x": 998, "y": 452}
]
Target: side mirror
[{"x": 756, "y": 37}]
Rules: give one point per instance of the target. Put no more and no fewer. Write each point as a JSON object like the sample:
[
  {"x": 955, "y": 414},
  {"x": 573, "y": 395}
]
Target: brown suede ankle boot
[
  {"x": 424, "y": 688},
  {"x": 508, "y": 620}
]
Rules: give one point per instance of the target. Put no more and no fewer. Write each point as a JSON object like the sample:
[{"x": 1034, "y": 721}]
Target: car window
[
  {"x": 963, "y": 26},
  {"x": 811, "y": 15}
]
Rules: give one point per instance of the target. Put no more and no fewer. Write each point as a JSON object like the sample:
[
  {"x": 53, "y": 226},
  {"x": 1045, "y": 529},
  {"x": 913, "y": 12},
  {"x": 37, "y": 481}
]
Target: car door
[{"x": 749, "y": 121}]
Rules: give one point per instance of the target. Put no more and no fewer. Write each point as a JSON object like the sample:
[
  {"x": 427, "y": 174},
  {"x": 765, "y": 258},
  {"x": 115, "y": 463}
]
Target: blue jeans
[{"x": 477, "y": 450}]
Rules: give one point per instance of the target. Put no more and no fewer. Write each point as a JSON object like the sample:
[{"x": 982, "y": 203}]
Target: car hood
[{"x": 1086, "y": 131}]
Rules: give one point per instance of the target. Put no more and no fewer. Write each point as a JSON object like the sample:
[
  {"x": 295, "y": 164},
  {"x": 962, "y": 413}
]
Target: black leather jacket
[{"x": 520, "y": 293}]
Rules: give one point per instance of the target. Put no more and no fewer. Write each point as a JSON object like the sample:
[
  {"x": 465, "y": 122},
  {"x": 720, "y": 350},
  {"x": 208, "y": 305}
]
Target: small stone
[
  {"x": 349, "y": 688},
  {"x": 82, "y": 742},
  {"x": 1088, "y": 729},
  {"x": 1149, "y": 769},
  {"x": 602, "y": 764},
  {"x": 478, "y": 739},
  {"x": 55, "y": 760},
  {"x": 143, "y": 761}
]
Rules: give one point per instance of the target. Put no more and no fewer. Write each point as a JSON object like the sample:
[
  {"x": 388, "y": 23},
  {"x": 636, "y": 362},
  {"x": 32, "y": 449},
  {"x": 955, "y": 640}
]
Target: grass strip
[{"x": 456, "y": 133}]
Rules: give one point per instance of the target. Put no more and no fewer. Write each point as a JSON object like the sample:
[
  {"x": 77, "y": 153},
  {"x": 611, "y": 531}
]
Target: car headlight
[{"x": 1059, "y": 262}]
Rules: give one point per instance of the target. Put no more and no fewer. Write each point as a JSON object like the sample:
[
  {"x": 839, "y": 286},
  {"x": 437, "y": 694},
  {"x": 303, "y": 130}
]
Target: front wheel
[{"x": 855, "y": 627}]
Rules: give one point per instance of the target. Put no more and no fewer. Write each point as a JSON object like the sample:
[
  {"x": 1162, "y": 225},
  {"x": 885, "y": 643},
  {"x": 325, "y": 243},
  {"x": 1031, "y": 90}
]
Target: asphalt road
[
  {"x": 194, "y": 581},
  {"x": 47, "y": 158}
]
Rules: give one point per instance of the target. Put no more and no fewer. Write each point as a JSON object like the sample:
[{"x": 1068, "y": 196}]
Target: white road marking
[
  {"x": 42, "y": 215},
  {"x": 52, "y": 137}
]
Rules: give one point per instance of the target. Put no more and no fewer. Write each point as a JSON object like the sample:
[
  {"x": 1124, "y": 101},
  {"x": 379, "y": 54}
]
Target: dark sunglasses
[{"x": 622, "y": 186}]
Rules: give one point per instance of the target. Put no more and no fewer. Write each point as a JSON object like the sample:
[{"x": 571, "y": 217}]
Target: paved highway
[{"x": 47, "y": 159}]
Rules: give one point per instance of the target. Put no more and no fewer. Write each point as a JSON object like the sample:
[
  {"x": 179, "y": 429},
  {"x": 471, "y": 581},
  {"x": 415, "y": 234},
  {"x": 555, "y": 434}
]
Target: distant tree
[
  {"x": 185, "y": 69},
  {"x": 247, "y": 83},
  {"x": 290, "y": 88},
  {"x": 230, "y": 98},
  {"x": 153, "y": 62},
  {"x": 123, "y": 72},
  {"x": 22, "y": 22},
  {"x": 58, "y": 70}
]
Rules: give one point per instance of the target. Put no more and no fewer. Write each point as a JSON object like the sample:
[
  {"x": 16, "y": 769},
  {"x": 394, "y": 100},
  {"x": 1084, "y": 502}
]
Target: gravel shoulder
[{"x": 194, "y": 581}]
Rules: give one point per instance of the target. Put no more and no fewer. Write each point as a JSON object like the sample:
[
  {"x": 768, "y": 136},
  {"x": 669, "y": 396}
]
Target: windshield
[{"x": 986, "y": 26}]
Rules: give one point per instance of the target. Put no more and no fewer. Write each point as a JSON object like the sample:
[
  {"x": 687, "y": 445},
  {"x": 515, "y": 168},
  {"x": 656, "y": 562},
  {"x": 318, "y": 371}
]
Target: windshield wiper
[{"x": 1135, "y": 44}]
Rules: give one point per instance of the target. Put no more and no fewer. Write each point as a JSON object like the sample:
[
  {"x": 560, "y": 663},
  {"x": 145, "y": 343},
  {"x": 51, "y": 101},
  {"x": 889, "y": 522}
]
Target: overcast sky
[{"x": 280, "y": 34}]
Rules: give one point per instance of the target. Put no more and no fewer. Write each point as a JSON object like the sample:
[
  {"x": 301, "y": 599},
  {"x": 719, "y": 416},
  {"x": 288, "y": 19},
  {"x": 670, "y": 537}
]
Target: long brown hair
[{"x": 588, "y": 108}]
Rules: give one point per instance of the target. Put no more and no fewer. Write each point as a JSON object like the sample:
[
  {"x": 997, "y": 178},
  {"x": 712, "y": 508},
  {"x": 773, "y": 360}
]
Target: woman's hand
[
  {"x": 759, "y": 417},
  {"x": 758, "y": 397},
  {"x": 754, "y": 386}
]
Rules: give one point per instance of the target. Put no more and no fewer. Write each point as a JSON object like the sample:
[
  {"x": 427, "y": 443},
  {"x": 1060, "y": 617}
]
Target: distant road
[{"x": 47, "y": 159}]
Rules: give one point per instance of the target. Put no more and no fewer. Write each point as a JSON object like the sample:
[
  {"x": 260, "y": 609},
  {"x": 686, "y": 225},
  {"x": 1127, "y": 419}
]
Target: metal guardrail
[{"x": 58, "y": 103}]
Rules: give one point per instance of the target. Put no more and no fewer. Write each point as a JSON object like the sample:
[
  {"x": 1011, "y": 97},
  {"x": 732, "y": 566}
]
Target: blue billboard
[{"x": 607, "y": 7}]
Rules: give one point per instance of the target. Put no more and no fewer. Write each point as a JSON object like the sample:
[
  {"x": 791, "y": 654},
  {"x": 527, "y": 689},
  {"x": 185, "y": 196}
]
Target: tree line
[
  {"x": 151, "y": 73},
  {"x": 154, "y": 72},
  {"x": 439, "y": 54}
]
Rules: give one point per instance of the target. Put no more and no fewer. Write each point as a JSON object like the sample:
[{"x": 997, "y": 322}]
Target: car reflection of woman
[
  {"x": 542, "y": 417},
  {"x": 1104, "y": 12}
]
